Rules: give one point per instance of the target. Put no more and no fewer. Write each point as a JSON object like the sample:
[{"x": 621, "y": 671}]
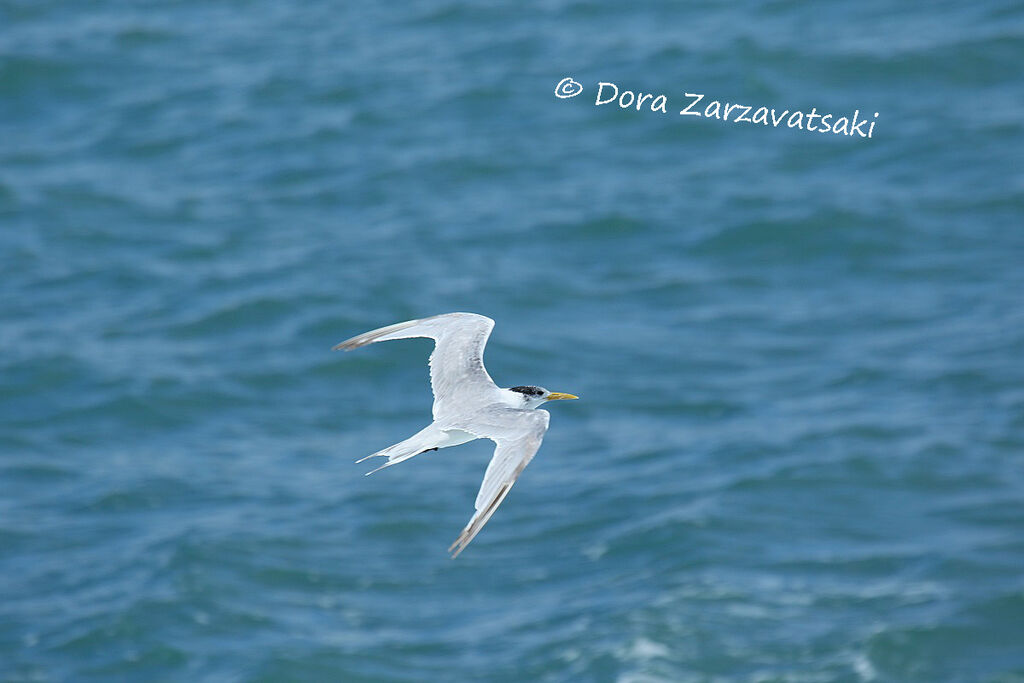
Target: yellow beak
[{"x": 559, "y": 396}]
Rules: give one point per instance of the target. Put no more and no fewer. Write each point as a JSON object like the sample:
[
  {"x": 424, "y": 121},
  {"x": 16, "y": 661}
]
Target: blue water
[{"x": 800, "y": 450}]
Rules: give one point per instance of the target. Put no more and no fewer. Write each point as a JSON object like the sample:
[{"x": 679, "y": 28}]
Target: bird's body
[{"x": 468, "y": 405}]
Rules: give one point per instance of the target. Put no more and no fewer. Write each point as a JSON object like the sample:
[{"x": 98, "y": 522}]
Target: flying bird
[{"x": 468, "y": 405}]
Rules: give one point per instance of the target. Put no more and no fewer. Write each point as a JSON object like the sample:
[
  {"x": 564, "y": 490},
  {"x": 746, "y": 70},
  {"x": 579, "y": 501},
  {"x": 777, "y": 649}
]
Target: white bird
[{"x": 468, "y": 405}]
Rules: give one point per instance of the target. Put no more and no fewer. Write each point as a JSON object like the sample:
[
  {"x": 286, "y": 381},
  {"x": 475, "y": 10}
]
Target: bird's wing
[
  {"x": 457, "y": 373},
  {"x": 517, "y": 435}
]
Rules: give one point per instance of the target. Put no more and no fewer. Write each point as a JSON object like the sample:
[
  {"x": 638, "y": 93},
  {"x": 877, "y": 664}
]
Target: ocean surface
[{"x": 799, "y": 453}]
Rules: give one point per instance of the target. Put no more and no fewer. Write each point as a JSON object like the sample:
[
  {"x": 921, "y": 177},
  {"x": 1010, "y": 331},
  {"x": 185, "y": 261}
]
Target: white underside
[{"x": 455, "y": 437}]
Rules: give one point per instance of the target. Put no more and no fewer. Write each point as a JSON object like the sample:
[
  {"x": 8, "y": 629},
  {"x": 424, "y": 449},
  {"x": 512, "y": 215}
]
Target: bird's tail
[{"x": 424, "y": 440}]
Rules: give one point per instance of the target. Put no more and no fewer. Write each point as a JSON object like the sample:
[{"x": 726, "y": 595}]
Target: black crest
[{"x": 529, "y": 391}]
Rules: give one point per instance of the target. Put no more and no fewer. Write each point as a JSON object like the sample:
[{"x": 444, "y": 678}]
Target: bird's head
[{"x": 533, "y": 397}]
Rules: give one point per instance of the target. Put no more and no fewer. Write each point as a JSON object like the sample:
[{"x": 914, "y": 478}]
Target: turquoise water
[{"x": 800, "y": 450}]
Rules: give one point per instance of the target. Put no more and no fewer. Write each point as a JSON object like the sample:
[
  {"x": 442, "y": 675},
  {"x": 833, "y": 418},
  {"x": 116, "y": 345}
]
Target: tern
[{"x": 468, "y": 405}]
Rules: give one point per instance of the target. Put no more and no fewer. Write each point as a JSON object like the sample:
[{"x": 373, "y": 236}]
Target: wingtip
[{"x": 459, "y": 545}]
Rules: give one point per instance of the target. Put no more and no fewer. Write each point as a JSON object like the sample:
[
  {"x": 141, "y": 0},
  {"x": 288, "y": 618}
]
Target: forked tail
[{"x": 425, "y": 440}]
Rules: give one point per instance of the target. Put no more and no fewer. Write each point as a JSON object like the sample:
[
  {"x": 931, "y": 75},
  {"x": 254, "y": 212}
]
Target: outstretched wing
[
  {"x": 517, "y": 435},
  {"x": 457, "y": 373}
]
